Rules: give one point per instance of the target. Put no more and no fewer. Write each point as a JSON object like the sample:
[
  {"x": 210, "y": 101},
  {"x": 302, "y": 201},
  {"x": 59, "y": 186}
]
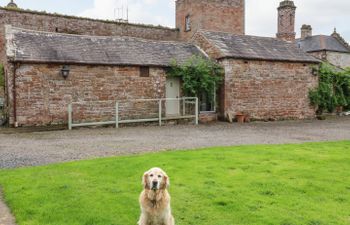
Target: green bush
[
  {"x": 333, "y": 90},
  {"x": 198, "y": 75}
]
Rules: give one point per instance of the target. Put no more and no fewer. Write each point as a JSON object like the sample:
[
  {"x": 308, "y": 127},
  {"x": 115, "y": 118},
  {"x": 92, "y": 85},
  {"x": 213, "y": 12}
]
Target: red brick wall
[
  {"x": 268, "y": 90},
  {"x": 211, "y": 50},
  {"x": 43, "y": 95},
  {"x": 218, "y": 15},
  {"x": 85, "y": 26}
]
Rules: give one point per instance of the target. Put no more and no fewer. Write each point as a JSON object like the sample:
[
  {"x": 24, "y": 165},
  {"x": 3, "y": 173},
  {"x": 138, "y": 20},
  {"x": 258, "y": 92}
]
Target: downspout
[{"x": 14, "y": 93}]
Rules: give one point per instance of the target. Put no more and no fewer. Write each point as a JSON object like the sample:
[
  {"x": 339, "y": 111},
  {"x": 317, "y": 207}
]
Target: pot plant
[{"x": 240, "y": 117}]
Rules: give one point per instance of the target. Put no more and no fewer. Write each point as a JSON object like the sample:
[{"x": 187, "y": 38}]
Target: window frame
[
  {"x": 214, "y": 107},
  {"x": 188, "y": 23},
  {"x": 144, "y": 71}
]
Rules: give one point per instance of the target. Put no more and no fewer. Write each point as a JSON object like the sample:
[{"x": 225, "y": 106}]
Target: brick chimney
[
  {"x": 306, "y": 31},
  {"x": 12, "y": 5},
  {"x": 286, "y": 21}
]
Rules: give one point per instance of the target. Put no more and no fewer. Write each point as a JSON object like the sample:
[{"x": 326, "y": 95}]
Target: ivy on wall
[
  {"x": 333, "y": 90},
  {"x": 198, "y": 75}
]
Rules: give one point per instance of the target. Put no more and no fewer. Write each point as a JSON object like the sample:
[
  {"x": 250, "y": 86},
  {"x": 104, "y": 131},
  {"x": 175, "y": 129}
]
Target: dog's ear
[
  {"x": 145, "y": 181},
  {"x": 166, "y": 182}
]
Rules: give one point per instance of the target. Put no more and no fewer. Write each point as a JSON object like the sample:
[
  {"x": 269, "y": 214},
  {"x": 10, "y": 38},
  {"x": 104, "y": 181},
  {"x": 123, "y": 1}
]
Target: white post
[
  {"x": 197, "y": 114},
  {"x": 117, "y": 115},
  {"x": 70, "y": 116},
  {"x": 183, "y": 106},
  {"x": 160, "y": 112}
]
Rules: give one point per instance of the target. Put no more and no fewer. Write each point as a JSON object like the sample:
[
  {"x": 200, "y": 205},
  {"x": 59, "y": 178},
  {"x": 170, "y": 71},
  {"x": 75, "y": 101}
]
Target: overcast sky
[{"x": 261, "y": 15}]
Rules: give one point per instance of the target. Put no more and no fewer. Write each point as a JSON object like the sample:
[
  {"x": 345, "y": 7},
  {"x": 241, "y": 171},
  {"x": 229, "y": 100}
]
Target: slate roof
[
  {"x": 253, "y": 47},
  {"x": 35, "y": 46},
  {"x": 320, "y": 43}
]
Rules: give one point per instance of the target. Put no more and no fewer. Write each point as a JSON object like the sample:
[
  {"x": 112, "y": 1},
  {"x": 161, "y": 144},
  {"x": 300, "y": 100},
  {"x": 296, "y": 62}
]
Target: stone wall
[
  {"x": 322, "y": 55},
  {"x": 268, "y": 90},
  {"x": 339, "y": 59},
  {"x": 43, "y": 95},
  {"x": 219, "y": 15},
  {"x": 84, "y": 26},
  {"x": 76, "y": 25}
]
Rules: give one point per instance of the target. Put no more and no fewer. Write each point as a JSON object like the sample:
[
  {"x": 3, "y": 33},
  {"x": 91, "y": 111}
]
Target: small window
[
  {"x": 144, "y": 71},
  {"x": 207, "y": 102},
  {"x": 188, "y": 23}
]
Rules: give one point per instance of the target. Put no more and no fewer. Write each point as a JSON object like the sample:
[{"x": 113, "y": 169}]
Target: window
[
  {"x": 291, "y": 19},
  {"x": 144, "y": 71},
  {"x": 188, "y": 23},
  {"x": 207, "y": 102}
]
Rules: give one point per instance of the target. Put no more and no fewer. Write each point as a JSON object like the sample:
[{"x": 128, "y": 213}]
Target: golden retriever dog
[{"x": 155, "y": 199}]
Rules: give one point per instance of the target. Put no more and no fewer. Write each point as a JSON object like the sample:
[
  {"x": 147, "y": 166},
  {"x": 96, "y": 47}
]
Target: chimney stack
[
  {"x": 306, "y": 31},
  {"x": 286, "y": 21}
]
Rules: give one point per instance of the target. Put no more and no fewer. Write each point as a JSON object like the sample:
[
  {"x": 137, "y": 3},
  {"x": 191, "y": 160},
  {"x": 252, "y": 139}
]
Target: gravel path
[{"x": 39, "y": 148}]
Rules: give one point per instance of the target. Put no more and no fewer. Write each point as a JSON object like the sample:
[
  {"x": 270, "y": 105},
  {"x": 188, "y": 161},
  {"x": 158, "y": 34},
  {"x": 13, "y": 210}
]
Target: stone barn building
[
  {"x": 266, "y": 78},
  {"x": 100, "y": 69},
  {"x": 330, "y": 48}
]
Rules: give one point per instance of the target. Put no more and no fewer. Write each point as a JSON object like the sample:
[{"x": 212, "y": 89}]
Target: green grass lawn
[{"x": 273, "y": 184}]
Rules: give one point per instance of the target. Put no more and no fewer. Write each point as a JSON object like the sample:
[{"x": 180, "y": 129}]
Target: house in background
[
  {"x": 266, "y": 78},
  {"x": 330, "y": 48}
]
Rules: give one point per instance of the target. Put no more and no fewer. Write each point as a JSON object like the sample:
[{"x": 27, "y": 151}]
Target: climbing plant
[
  {"x": 333, "y": 90},
  {"x": 198, "y": 75}
]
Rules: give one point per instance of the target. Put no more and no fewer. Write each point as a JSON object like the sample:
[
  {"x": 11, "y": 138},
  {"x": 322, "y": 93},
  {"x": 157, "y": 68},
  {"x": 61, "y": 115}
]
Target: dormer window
[{"x": 188, "y": 23}]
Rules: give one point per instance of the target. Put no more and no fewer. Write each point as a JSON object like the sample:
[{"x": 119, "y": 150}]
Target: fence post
[
  {"x": 183, "y": 106},
  {"x": 70, "y": 116},
  {"x": 160, "y": 112},
  {"x": 197, "y": 114},
  {"x": 117, "y": 115}
]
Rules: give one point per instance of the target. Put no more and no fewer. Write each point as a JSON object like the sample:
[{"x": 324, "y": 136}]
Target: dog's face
[{"x": 155, "y": 179}]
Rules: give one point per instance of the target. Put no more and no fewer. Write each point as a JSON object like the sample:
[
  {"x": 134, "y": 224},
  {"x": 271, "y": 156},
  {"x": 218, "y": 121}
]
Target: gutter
[
  {"x": 79, "y": 63},
  {"x": 271, "y": 60}
]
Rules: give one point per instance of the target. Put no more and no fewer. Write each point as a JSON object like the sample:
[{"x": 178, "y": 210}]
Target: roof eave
[
  {"x": 272, "y": 60},
  {"x": 328, "y": 50},
  {"x": 24, "y": 61}
]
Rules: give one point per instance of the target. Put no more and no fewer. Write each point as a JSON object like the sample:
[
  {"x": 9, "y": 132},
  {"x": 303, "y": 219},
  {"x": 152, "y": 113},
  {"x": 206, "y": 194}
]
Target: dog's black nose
[{"x": 155, "y": 183}]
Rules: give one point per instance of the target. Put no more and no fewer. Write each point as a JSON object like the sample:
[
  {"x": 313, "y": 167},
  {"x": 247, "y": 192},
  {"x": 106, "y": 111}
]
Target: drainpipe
[{"x": 14, "y": 93}]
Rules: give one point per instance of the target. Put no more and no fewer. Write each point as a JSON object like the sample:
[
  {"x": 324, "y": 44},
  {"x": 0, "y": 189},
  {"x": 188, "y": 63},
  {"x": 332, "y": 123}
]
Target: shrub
[
  {"x": 333, "y": 90},
  {"x": 198, "y": 75}
]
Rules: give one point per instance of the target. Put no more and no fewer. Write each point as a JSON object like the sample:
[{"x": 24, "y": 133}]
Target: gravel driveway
[{"x": 39, "y": 148}]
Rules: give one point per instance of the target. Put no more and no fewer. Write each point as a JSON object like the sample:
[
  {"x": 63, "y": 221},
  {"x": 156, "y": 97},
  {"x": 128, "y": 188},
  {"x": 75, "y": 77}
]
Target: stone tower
[
  {"x": 286, "y": 21},
  {"x": 213, "y": 15}
]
